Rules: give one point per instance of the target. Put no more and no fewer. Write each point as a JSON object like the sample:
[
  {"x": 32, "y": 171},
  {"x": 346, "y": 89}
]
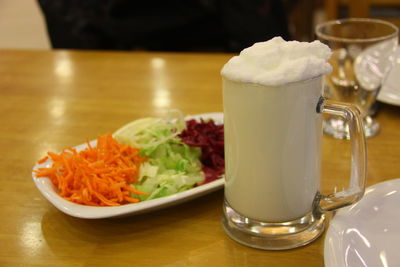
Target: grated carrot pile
[{"x": 96, "y": 176}]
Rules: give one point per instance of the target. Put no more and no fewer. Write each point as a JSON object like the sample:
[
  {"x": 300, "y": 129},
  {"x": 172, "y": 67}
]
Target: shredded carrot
[
  {"x": 42, "y": 160},
  {"x": 96, "y": 176}
]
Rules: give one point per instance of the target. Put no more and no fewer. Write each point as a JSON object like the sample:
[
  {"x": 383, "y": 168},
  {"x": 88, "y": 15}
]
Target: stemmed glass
[{"x": 362, "y": 56}]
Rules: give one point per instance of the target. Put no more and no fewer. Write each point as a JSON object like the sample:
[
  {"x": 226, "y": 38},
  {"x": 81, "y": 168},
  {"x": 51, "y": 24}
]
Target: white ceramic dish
[
  {"x": 367, "y": 234},
  {"x": 390, "y": 92},
  {"x": 88, "y": 212}
]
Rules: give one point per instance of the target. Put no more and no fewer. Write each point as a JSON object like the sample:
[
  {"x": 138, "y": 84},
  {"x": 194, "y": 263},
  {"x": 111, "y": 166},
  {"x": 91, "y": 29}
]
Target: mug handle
[{"x": 358, "y": 178}]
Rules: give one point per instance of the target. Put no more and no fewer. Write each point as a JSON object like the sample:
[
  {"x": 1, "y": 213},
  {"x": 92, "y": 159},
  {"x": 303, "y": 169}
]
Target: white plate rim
[
  {"x": 388, "y": 94},
  {"x": 334, "y": 255},
  {"x": 46, "y": 188}
]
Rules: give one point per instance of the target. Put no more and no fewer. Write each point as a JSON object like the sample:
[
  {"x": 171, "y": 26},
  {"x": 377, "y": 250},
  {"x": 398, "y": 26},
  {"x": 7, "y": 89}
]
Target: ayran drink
[
  {"x": 273, "y": 127},
  {"x": 272, "y": 132}
]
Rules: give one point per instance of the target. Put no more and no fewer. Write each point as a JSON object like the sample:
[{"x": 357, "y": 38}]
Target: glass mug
[{"x": 272, "y": 162}]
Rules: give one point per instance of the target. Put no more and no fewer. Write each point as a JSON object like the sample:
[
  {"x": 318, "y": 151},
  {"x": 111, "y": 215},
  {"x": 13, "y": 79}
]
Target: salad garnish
[
  {"x": 146, "y": 159},
  {"x": 172, "y": 165},
  {"x": 210, "y": 138},
  {"x": 97, "y": 176}
]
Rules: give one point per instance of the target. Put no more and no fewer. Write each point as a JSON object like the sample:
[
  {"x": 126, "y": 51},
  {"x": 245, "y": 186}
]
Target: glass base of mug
[
  {"x": 271, "y": 236},
  {"x": 338, "y": 128}
]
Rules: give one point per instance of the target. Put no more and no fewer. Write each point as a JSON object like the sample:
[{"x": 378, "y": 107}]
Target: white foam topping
[{"x": 277, "y": 62}]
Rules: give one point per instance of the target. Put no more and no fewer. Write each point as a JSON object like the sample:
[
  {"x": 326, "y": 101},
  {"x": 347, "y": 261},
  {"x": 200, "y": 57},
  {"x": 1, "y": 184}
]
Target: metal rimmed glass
[{"x": 362, "y": 56}]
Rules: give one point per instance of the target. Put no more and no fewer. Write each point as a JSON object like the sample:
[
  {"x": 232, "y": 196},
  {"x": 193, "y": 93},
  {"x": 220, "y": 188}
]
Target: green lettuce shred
[{"x": 172, "y": 166}]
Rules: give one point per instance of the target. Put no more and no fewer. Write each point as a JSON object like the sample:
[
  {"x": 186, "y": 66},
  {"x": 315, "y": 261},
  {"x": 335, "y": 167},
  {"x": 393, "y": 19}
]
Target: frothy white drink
[
  {"x": 272, "y": 129},
  {"x": 277, "y": 62}
]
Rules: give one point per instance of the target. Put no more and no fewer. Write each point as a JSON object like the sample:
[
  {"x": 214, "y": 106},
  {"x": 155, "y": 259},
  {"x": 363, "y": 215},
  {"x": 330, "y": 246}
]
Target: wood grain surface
[{"x": 53, "y": 99}]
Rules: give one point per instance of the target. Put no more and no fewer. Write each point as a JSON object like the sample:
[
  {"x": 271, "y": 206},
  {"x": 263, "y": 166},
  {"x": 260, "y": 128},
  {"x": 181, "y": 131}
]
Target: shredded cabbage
[{"x": 172, "y": 166}]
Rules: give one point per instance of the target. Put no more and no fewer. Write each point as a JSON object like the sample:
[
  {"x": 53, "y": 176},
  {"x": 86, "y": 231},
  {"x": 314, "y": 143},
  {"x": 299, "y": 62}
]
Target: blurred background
[{"x": 196, "y": 25}]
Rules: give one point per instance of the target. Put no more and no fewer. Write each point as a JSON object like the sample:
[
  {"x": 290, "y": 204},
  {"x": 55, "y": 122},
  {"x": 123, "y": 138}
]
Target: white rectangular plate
[{"x": 47, "y": 189}]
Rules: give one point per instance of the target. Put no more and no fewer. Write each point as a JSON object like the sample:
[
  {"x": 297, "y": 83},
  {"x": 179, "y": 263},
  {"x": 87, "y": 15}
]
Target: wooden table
[{"x": 53, "y": 99}]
